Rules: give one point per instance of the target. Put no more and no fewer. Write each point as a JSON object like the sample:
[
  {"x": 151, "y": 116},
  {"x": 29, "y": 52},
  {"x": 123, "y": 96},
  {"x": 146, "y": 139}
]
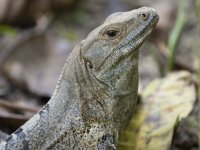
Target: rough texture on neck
[
  {"x": 67, "y": 121},
  {"x": 58, "y": 117}
]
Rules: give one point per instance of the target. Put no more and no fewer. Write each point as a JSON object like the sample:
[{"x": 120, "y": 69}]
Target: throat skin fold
[{"x": 97, "y": 90}]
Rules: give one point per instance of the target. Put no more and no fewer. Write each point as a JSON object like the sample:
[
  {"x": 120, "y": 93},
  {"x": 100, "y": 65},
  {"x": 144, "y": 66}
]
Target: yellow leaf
[{"x": 164, "y": 100}]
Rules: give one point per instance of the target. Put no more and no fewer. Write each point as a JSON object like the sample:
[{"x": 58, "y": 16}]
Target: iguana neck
[{"x": 67, "y": 110}]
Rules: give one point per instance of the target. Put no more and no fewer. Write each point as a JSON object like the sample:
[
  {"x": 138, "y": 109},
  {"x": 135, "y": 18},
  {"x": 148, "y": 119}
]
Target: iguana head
[
  {"x": 110, "y": 57},
  {"x": 110, "y": 52}
]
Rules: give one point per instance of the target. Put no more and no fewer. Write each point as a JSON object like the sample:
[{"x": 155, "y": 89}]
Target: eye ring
[
  {"x": 144, "y": 16},
  {"x": 112, "y": 33}
]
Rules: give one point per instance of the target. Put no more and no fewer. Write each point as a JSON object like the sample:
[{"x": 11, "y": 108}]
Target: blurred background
[{"x": 36, "y": 37}]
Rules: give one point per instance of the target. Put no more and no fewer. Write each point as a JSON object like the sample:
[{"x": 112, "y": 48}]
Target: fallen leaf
[{"x": 164, "y": 102}]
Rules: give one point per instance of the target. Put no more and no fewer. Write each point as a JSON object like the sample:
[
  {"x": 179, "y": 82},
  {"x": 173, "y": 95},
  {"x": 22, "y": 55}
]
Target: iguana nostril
[{"x": 144, "y": 16}]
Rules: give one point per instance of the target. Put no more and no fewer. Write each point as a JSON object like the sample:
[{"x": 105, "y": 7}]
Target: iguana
[{"x": 97, "y": 90}]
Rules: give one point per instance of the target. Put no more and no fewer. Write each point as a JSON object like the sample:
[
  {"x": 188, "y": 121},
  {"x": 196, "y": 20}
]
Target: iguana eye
[{"x": 112, "y": 33}]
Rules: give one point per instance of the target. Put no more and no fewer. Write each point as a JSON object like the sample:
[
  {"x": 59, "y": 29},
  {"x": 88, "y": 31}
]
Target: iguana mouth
[{"x": 136, "y": 40}]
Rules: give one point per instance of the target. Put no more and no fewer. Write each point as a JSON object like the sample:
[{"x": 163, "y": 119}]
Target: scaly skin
[{"x": 97, "y": 90}]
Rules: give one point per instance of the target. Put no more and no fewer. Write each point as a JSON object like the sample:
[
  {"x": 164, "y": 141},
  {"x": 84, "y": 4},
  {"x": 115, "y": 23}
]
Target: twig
[{"x": 10, "y": 106}]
